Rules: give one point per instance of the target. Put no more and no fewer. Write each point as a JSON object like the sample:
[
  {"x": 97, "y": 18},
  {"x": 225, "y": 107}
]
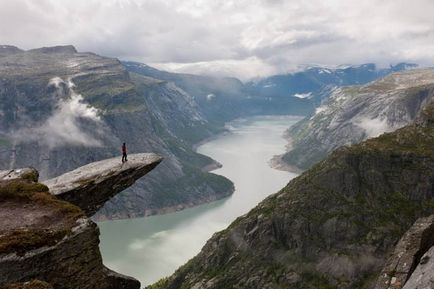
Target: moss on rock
[
  {"x": 35, "y": 196},
  {"x": 34, "y": 284}
]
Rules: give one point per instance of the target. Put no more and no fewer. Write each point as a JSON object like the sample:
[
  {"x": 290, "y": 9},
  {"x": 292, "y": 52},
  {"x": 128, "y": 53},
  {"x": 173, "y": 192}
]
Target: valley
[{"x": 152, "y": 248}]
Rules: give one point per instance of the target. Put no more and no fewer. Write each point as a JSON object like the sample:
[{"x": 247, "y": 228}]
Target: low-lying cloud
[
  {"x": 66, "y": 124},
  {"x": 244, "y": 38}
]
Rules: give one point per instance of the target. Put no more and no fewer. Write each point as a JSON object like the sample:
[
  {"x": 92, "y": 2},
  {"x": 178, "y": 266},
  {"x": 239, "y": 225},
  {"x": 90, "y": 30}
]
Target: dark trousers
[{"x": 124, "y": 157}]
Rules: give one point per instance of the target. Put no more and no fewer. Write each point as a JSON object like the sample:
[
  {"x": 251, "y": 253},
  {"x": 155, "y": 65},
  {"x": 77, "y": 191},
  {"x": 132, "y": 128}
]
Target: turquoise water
[{"x": 154, "y": 247}]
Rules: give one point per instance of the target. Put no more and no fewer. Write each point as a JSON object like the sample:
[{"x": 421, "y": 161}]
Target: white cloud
[
  {"x": 244, "y": 38},
  {"x": 63, "y": 126},
  {"x": 373, "y": 127}
]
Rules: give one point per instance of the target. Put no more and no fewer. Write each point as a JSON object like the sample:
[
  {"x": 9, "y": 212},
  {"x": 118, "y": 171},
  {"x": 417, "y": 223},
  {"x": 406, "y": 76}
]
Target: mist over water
[{"x": 154, "y": 247}]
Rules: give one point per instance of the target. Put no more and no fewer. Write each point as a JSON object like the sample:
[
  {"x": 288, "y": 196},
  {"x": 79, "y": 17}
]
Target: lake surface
[{"x": 154, "y": 247}]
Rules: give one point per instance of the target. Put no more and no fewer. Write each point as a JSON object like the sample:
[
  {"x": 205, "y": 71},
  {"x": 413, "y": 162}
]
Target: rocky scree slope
[
  {"x": 61, "y": 109},
  {"x": 356, "y": 113},
  {"x": 331, "y": 227},
  {"x": 46, "y": 242}
]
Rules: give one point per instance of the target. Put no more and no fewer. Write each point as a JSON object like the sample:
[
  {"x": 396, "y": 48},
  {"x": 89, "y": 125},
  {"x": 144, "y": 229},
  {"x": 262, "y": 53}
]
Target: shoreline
[
  {"x": 277, "y": 163},
  {"x": 195, "y": 146}
]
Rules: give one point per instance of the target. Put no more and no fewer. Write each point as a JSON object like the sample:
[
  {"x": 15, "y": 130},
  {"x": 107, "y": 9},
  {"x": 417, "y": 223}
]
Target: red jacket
[{"x": 124, "y": 149}]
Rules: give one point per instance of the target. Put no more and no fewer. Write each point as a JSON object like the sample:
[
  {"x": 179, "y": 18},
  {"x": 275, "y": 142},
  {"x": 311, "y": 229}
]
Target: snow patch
[
  {"x": 303, "y": 95},
  {"x": 269, "y": 85},
  {"x": 210, "y": 96},
  {"x": 320, "y": 109}
]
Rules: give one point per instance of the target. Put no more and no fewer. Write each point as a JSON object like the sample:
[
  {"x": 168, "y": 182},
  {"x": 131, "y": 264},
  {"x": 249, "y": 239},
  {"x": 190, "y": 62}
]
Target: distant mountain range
[{"x": 315, "y": 82}]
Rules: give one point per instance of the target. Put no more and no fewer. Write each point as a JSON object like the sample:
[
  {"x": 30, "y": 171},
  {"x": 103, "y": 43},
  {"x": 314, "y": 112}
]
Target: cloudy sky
[{"x": 243, "y": 38}]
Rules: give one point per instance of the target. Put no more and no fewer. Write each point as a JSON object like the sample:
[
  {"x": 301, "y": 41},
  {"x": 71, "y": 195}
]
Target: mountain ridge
[{"x": 355, "y": 113}]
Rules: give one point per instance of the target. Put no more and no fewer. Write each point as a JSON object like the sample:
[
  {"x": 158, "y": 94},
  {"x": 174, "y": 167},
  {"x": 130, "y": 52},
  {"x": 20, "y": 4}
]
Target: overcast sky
[{"x": 243, "y": 38}]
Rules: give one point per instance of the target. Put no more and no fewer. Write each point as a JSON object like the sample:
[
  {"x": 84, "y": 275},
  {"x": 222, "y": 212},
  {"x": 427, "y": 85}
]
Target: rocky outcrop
[
  {"x": 51, "y": 240},
  {"x": 356, "y": 113},
  {"x": 90, "y": 186},
  {"x": 407, "y": 255},
  {"x": 331, "y": 227},
  {"x": 25, "y": 173},
  {"x": 423, "y": 275},
  {"x": 73, "y": 262}
]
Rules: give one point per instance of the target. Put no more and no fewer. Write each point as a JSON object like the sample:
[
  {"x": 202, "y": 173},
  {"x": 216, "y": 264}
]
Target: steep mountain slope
[
  {"x": 60, "y": 109},
  {"x": 356, "y": 113},
  {"x": 332, "y": 226}
]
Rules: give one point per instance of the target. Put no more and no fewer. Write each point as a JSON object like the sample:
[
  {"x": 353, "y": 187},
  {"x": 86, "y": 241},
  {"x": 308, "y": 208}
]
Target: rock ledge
[{"x": 90, "y": 186}]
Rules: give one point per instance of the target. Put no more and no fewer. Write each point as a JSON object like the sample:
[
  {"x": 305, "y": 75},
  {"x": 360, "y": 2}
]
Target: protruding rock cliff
[
  {"x": 331, "y": 227},
  {"x": 51, "y": 240},
  {"x": 90, "y": 186}
]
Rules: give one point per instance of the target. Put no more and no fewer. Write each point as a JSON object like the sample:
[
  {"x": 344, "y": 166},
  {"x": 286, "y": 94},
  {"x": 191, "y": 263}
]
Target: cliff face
[
  {"x": 60, "y": 109},
  {"x": 331, "y": 227},
  {"x": 356, "y": 113},
  {"x": 48, "y": 239}
]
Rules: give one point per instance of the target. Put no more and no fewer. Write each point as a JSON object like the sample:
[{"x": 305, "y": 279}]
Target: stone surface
[
  {"x": 7, "y": 175},
  {"x": 74, "y": 262},
  {"x": 47, "y": 239},
  {"x": 423, "y": 276},
  {"x": 407, "y": 254},
  {"x": 116, "y": 280},
  {"x": 90, "y": 186}
]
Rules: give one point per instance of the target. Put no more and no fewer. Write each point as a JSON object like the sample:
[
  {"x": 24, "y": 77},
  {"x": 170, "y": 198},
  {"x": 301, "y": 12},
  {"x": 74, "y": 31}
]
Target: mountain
[
  {"x": 316, "y": 82},
  {"x": 222, "y": 99},
  {"x": 61, "y": 109},
  {"x": 355, "y": 113},
  {"x": 331, "y": 227}
]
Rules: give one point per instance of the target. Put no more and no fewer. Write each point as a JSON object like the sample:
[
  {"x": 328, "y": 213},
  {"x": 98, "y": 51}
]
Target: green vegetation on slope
[
  {"x": 34, "y": 284},
  {"x": 26, "y": 193},
  {"x": 332, "y": 226}
]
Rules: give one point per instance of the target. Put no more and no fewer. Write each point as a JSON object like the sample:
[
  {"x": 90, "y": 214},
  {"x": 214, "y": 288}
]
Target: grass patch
[
  {"x": 26, "y": 193},
  {"x": 34, "y": 284},
  {"x": 22, "y": 241}
]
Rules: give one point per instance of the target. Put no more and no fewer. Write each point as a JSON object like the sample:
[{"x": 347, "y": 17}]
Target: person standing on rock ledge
[{"x": 124, "y": 153}]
